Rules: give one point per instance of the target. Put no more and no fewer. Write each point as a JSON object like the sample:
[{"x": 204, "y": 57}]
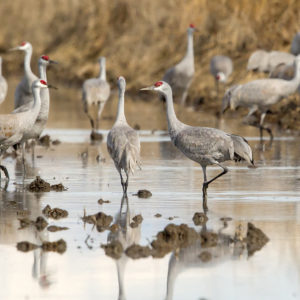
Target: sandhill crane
[
  {"x": 295, "y": 47},
  {"x": 23, "y": 93},
  {"x": 260, "y": 95},
  {"x": 221, "y": 67},
  {"x": 181, "y": 75},
  {"x": 15, "y": 128},
  {"x": 3, "y": 84},
  {"x": 206, "y": 146},
  {"x": 264, "y": 61},
  {"x": 123, "y": 142},
  {"x": 95, "y": 92},
  {"x": 283, "y": 71},
  {"x": 42, "y": 117}
]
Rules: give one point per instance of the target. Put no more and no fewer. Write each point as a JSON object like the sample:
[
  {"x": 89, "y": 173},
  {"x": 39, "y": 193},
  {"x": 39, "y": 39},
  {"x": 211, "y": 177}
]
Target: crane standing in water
[
  {"x": 123, "y": 142},
  {"x": 95, "y": 93},
  {"x": 260, "y": 95},
  {"x": 3, "y": 84},
  {"x": 206, "y": 146},
  {"x": 15, "y": 128},
  {"x": 181, "y": 75}
]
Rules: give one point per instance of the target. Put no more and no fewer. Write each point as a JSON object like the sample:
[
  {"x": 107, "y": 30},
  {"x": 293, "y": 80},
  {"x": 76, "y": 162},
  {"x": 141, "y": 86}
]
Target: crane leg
[
  {"x": 3, "y": 168},
  {"x": 206, "y": 183},
  {"x": 122, "y": 182},
  {"x": 100, "y": 108},
  {"x": 126, "y": 183},
  {"x": 23, "y": 159}
]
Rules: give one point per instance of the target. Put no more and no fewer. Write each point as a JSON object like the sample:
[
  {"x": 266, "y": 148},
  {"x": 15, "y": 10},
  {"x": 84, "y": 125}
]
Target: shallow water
[{"x": 268, "y": 196}]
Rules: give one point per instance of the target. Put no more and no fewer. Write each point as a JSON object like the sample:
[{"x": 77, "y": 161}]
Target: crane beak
[
  {"x": 149, "y": 88},
  {"x": 53, "y": 61},
  {"x": 52, "y": 87},
  {"x": 14, "y": 49}
]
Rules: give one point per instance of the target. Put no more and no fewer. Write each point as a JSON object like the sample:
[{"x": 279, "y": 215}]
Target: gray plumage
[
  {"x": 3, "y": 84},
  {"x": 23, "y": 93},
  {"x": 221, "y": 67},
  {"x": 283, "y": 71},
  {"x": 123, "y": 142},
  {"x": 260, "y": 95},
  {"x": 95, "y": 93},
  {"x": 181, "y": 75},
  {"x": 42, "y": 117},
  {"x": 206, "y": 146},
  {"x": 295, "y": 46},
  {"x": 264, "y": 61},
  {"x": 16, "y": 128}
]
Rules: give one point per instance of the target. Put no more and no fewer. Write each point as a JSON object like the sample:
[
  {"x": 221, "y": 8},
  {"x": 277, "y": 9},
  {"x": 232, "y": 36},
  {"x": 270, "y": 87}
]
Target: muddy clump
[
  {"x": 157, "y": 215},
  {"x": 26, "y": 246},
  {"x": 144, "y": 194},
  {"x": 114, "y": 228},
  {"x": 173, "y": 237},
  {"x": 54, "y": 228},
  {"x": 96, "y": 136},
  {"x": 209, "y": 239},
  {"x": 45, "y": 140},
  {"x": 255, "y": 239},
  {"x": 59, "y": 246},
  {"x": 200, "y": 218},
  {"x": 54, "y": 213},
  {"x": 136, "y": 251},
  {"x": 101, "y": 201},
  {"x": 205, "y": 256},
  {"x": 40, "y": 185},
  {"x": 100, "y": 220},
  {"x": 40, "y": 223},
  {"x": 113, "y": 249},
  {"x": 136, "y": 221}
]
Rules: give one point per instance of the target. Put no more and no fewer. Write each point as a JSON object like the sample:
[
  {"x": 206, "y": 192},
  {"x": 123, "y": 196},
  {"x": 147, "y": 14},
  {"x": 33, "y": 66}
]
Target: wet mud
[
  {"x": 59, "y": 246},
  {"x": 143, "y": 194},
  {"x": 46, "y": 141},
  {"x": 136, "y": 221},
  {"x": 40, "y": 185},
  {"x": 113, "y": 249},
  {"x": 200, "y": 218},
  {"x": 40, "y": 223},
  {"x": 54, "y": 228},
  {"x": 54, "y": 213},
  {"x": 101, "y": 201},
  {"x": 256, "y": 239},
  {"x": 136, "y": 251},
  {"x": 100, "y": 220}
]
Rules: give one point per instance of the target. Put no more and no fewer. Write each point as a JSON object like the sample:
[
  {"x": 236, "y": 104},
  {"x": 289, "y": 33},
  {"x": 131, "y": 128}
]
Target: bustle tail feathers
[{"x": 242, "y": 150}]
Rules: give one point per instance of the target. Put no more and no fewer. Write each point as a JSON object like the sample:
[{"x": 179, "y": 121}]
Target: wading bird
[
  {"x": 220, "y": 67},
  {"x": 123, "y": 142},
  {"x": 181, "y": 75},
  {"x": 42, "y": 117},
  {"x": 3, "y": 84},
  {"x": 260, "y": 95},
  {"x": 15, "y": 128},
  {"x": 23, "y": 93},
  {"x": 206, "y": 146},
  {"x": 95, "y": 92}
]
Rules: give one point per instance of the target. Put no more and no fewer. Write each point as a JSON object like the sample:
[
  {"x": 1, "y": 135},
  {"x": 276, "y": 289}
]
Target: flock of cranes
[{"x": 206, "y": 146}]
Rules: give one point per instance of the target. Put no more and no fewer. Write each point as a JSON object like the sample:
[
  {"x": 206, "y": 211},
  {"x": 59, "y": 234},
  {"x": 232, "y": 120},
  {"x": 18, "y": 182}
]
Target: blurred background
[{"x": 142, "y": 39}]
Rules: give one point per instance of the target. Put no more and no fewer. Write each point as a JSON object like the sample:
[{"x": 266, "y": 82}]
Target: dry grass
[{"x": 142, "y": 38}]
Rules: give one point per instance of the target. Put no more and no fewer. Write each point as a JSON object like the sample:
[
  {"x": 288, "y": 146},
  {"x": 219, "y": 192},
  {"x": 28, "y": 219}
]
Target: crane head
[
  {"x": 44, "y": 59},
  {"x": 23, "y": 47},
  {"x": 121, "y": 83},
  {"x": 221, "y": 77},
  {"x": 160, "y": 86},
  {"x": 42, "y": 84},
  {"x": 192, "y": 28}
]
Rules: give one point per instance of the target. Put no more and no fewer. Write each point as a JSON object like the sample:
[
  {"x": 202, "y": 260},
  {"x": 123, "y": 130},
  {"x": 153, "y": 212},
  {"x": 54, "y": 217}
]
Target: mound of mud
[{"x": 54, "y": 213}]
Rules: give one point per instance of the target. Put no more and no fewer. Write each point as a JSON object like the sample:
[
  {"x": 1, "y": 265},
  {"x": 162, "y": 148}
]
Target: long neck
[
  {"x": 42, "y": 71},
  {"x": 102, "y": 74},
  {"x": 0, "y": 65},
  {"x": 37, "y": 101},
  {"x": 121, "y": 113},
  {"x": 296, "y": 78},
  {"x": 173, "y": 123},
  {"x": 190, "y": 46},
  {"x": 27, "y": 60}
]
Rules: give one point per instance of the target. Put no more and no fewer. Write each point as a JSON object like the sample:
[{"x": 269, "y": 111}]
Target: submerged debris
[
  {"x": 136, "y": 251},
  {"x": 46, "y": 141},
  {"x": 100, "y": 220},
  {"x": 144, "y": 194},
  {"x": 59, "y": 246},
  {"x": 113, "y": 249},
  {"x": 55, "y": 213},
  {"x": 101, "y": 201},
  {"x": 209, "y": 239},
  {"x": 26, "y": 246},
  {"x": 157, "y": 215},
  {"x": 138, "y": 219},
  {"x": 205, "y": 256},
  {"x": 255, "y": 239},
  {"x": 200, "y": 218},
  {"x": 173, "y": 237},
  {"x": 54, "y": 228},
  {"x": 40, "y": 185},
  {"x": 40, "y": 223},
  {"x": 114, "y": 228}
]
